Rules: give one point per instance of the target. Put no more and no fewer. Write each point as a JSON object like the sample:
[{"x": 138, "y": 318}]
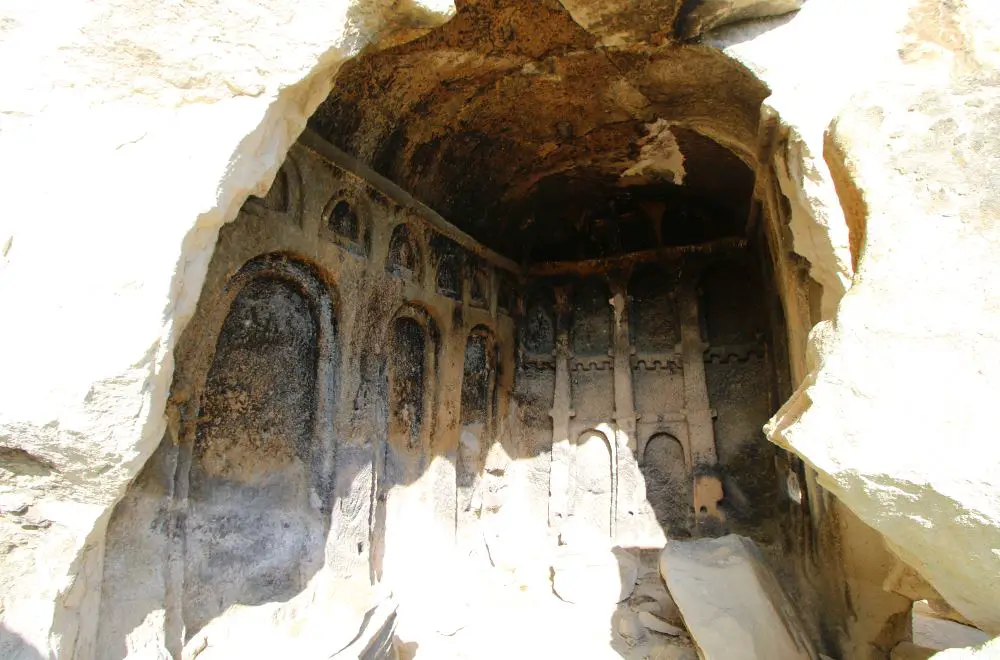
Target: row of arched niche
[
  {"x": 346, "y": 221},
  {"x": 265, "y": 451},
  {"x": 727, "y": 299},
  {"x": 265, "y": 456},
  {"x": 728, "y": 318}
]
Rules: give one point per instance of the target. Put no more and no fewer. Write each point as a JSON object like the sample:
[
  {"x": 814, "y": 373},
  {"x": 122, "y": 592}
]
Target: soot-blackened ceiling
[{"x": 545, "y": 140}]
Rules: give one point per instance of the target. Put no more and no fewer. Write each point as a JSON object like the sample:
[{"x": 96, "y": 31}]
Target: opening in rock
[{"x": 558, "y": 336}]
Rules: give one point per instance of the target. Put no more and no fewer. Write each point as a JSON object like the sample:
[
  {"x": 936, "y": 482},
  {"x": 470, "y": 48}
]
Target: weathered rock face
[
  {"x": 362, "y": 386},
  {"x": 882, "y": 421},
  {"x": 153, "y": 123},
  {"x": 518, "y": 125},
  {"x": 366, "y": 391},
  {"x": 731, "y": 603}
]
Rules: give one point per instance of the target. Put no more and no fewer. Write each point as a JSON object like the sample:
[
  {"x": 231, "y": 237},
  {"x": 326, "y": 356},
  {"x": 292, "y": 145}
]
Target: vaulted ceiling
[{"x": 549, "y": 132}]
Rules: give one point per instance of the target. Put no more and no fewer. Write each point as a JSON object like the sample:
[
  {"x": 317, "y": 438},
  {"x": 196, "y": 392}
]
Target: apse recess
[{"x": 524, "y": 131}]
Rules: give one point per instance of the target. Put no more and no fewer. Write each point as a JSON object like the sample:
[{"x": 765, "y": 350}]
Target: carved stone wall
[{"x": 366, "y": 390}]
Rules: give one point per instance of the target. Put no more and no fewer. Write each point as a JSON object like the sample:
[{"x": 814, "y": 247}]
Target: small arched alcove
[
  {"x": 405, "y": 256},
  {"x": 668, "y": 484},
  {"x": 593, "y": 492},
  {"x": 254, "y": 527}
]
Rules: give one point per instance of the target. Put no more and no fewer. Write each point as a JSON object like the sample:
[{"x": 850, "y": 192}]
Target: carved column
[
  {"x": 701, "y": 434},
  {"x": 448, "y": 427},
  {"x": 561, "y": 413},
  {"x": 625, "y": 416}
]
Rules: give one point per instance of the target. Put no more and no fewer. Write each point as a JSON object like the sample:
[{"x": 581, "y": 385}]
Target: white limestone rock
[
  {"x": 332, "y": 618},
  {"x": 731, "y": 603},
  {"x": 893, "y": 415},
  {"x": 593, "y": 577},
  {"x": 889, "y": 416},
  {"x": 131, "y": 132}
]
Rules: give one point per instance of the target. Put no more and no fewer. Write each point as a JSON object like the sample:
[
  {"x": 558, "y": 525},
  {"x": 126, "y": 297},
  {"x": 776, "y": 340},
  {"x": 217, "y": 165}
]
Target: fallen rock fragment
[{"x": 732, "y": 605}]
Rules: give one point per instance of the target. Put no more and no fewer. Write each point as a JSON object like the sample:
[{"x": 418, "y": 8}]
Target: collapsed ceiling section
[{"x": 550, "y": 132}]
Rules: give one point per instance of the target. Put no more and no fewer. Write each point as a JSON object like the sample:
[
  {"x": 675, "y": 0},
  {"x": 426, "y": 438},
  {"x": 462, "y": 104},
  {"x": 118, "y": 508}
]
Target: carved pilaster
[
  {"x": 561, "y": 413},
  {"x": 704, "y": 461}
]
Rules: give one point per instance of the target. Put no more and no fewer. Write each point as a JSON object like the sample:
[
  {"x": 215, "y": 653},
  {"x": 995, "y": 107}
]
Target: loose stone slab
[
  {"x": 732, "y": 605},
  {"x": 593, "y": 577}
]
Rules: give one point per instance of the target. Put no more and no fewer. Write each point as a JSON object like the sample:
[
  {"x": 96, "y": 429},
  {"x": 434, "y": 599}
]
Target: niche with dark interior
[
  {"x": 534, "y": 381},
  {"x": 668, "y": 484},
  {"x": 478, "y": 377},
  {"x": 251, "y": 535},
  {"x": 592, "y": 318},
  {"x": 448, "y": 257},
  {"x": 740, "y": 380},
  {"x": 538, "y": 330},
  {"x": 407, "y": 367},
  {"x": 653, "y": 322},
  {"x": 479, "y": 284},
  {"x": 477, "y": 405},
  {"x": 342, "y": 219},
  {"x": 404, "y": 255}
]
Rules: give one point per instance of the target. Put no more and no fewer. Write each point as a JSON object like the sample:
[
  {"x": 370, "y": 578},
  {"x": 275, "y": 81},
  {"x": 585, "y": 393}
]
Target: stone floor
[{"x": 527, "y": 620}]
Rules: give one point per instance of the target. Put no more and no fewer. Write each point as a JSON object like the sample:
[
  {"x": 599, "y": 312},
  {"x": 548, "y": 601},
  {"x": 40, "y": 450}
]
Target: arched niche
[
  {"x": 405, "y": 258},
  {"x": 346, "y": 220},
  {"x": 506, "y": 293},
  {"x": 283, "y": 198},
  {"x": 253, "y": 532},
  {"x": 479, "y": 284},
  {"x": 449, "y": 277},
  {"x": 479, "y": 376},
  {"x": 731, "y": 304},
  {"x": 413, "y": 343},
  {"x": 478, "y": 409},
  {"x": 594, "y": 482},
  {"x": 668, "y": 484},
  {"x": 653, "y": 321},
  {"x": 592, "y": 318},
  {"x": 449, "y": 267},
  {"x": 538, "y": 330}
]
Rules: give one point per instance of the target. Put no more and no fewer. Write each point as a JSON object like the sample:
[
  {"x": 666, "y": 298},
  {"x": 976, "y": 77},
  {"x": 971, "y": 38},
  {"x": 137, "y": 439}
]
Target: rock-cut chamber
[{"x": 467, "y": 329}]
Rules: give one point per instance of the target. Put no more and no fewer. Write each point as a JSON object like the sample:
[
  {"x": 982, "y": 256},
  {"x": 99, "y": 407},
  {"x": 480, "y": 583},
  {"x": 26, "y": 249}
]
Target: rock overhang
[{"x": 523, "y": 126}]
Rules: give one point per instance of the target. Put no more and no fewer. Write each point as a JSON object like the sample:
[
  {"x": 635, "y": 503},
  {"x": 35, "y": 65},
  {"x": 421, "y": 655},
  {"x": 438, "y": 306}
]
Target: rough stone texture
[
  {"x": 731, "y": 602},
  {"x": 162, "y": 119},
  {"x": 147, "y": 125},
  {"x": 656, "y": 624},
  {"x": 574, "y": 136},
  {"x": 881, "y": 420},
  {"x": 988, "y": 651}
]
